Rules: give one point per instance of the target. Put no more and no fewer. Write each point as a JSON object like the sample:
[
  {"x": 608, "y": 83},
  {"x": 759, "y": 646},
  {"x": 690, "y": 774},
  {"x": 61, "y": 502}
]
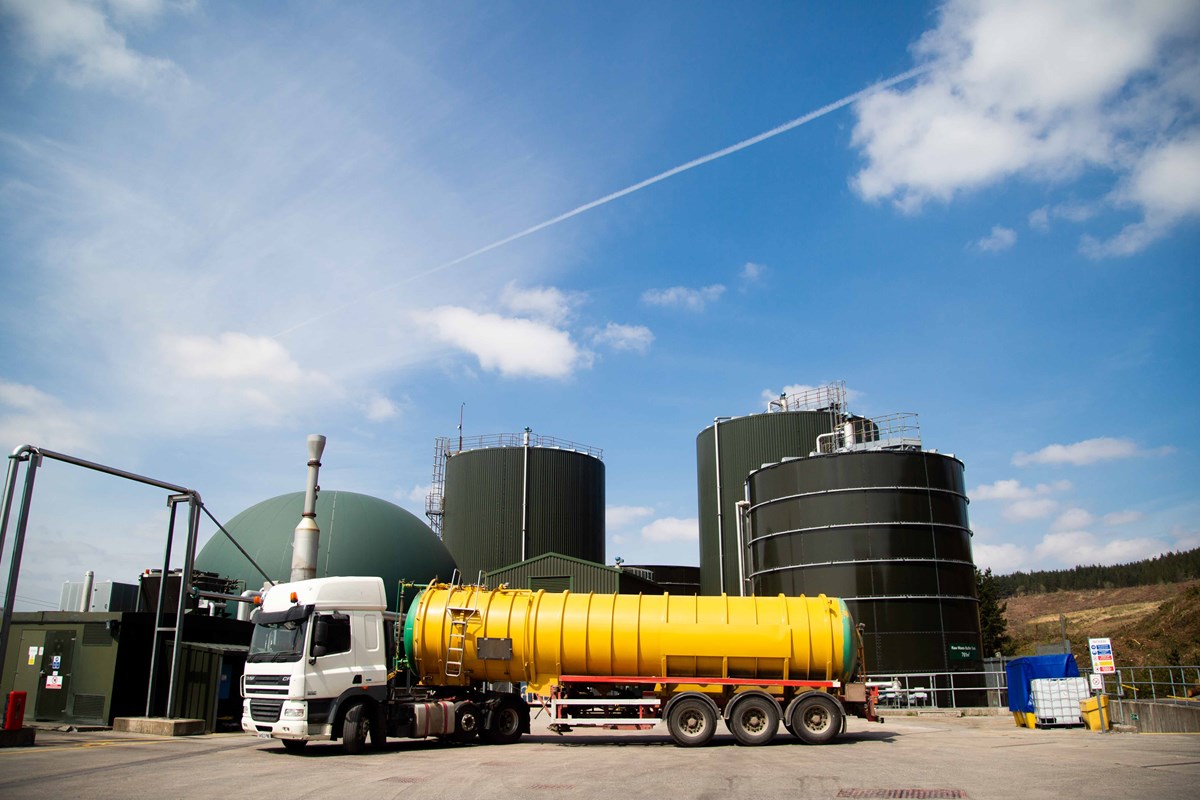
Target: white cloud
[
  {"x": 1185, "y": 539},
  {"x": 1001, "y": 558},
  {"x": 416, "y": 494},
  {"x": 1166, "y": 185},
  {"x": 31, "y": 416},
  {"x": 1073, "y": 519},
  {"x": 672, "y": 529},
  {"x": 1039, "y": 219},
  {"x": 624, "y": 516},
  {"x": 542, "y": 303},
  {"x": 1024, "y": 510},
  {"x": 1089, "y": 451},
  {"x": 78, "y": 39},
  {"x": 999, "y": 239},
  {"x": 683, "y": 297},
  {"x": 511, "y": 346},
  {"x": 1073, "y": 548},
  {"x": 380, "y": 408},
  {"x": 637, "y": 338},
  {"x": 1117, "y": 518},
  {"x": 1014, "y": 87},
  {"x": 751, "y": 272},
  {"x": 232, "y": 356},
  {"x": 1013, "y": 490}
]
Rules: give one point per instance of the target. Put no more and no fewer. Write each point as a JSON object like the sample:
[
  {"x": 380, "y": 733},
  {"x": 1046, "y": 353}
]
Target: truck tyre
[
  {"x": 816, "y": 718},
  {"x": 355, "y": 729},
  {"x": 468, "y": 722},
  {"x": 504, "y": 726},
  {"x": 692, "y": 722},
  {"x": 294, "y": 745},
  {"x": 754, "y": 720}
]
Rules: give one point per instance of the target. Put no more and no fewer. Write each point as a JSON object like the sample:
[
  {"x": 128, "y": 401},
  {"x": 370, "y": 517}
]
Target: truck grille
[
  {"x": 265, "y": 710},
  {"x": 267, "y": 680}
]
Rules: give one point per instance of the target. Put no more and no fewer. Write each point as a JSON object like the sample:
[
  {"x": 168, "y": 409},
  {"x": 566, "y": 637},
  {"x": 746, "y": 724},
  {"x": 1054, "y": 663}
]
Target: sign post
[{"x": 1102, "y": 664}]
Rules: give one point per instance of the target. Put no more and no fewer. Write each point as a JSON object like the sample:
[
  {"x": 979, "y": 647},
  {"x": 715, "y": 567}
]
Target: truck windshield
[{"x": 278, "y": 641}]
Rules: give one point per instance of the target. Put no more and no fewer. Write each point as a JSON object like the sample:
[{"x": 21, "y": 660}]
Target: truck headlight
[{"x": 298, "y": 713}]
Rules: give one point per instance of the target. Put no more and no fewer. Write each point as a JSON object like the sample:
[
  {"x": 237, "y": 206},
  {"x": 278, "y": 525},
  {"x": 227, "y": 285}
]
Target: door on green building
[{"x": 54, "y": 681}]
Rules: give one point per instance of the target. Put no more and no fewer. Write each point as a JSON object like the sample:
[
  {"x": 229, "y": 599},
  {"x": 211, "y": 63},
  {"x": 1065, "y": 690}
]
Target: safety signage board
[
  {"x": 1102, "y": 655},
  {"x": 1097, "y": 682},
  {"x": 54, "y": 681}
]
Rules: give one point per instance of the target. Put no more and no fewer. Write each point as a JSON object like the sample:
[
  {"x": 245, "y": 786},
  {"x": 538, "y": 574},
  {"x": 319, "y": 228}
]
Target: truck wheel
[
  {"x": 355, "y": 729},
  {"x": 691, "y": 722},
  {"x": 816, "y": 718},
  {"x": 468, "y": 721},
  {"x": 294, "y": 745},
  {"x": 755, "y": 720},
  {"x": 505, "y": 724}
]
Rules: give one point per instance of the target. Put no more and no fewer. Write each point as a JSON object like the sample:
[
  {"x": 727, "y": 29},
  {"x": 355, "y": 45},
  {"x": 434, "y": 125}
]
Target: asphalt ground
[{"x": 905, "y": 757}]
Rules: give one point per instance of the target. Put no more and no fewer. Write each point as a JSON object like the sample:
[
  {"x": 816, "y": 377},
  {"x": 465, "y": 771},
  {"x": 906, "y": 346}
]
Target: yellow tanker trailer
[{"x": 620, "y": 660}]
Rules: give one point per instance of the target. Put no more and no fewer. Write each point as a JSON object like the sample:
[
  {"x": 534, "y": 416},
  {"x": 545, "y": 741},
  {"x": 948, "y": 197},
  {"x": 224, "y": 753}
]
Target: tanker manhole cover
[{"x": 915, "y": 794}]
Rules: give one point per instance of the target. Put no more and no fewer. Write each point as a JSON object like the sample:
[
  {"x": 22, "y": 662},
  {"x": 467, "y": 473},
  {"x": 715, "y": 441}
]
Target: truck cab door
[{"x": 330, "y": 657}]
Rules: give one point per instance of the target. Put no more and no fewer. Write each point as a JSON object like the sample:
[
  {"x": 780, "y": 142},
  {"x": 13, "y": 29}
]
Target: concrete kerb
[{"x": 159, "y": 726}]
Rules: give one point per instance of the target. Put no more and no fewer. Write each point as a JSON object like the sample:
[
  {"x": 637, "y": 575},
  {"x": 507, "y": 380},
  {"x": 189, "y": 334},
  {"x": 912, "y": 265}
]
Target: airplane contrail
[{"x": 608, "y": 198}]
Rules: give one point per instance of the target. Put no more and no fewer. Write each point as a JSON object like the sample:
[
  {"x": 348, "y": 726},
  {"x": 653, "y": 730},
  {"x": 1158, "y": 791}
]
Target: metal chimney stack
[{"x": 308, "y": 535}]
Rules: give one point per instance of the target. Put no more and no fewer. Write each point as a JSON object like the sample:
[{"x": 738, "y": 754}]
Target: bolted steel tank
[
  {"x": 885, "y": 529},
  {"x": 507, "y": 504}
]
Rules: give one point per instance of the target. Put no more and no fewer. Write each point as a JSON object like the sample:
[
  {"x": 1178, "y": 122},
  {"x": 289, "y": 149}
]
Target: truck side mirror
[{"x": 320, "y": 639}]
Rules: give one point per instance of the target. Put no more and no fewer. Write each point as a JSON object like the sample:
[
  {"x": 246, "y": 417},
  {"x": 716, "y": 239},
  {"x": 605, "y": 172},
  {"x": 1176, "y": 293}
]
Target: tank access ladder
[{"x": 456, "y": 643}]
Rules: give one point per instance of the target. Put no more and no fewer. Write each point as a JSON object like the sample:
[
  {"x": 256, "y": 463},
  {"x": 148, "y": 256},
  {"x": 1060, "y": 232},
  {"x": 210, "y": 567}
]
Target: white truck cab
[{"x": 318, "y": 647}]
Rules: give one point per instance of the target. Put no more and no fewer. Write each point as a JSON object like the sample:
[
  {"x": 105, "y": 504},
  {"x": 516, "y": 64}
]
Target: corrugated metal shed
[{"x": 555, "y": 572}]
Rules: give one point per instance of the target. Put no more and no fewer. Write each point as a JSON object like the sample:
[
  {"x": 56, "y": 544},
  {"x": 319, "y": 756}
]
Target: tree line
[{"x": 1167, "y": 568}]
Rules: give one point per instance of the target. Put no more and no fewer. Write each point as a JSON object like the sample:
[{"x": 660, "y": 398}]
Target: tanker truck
[{"x": 328, "y": 661}]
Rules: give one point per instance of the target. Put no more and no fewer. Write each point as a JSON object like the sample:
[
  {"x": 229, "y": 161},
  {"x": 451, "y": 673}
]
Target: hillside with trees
[
  {"x": 1149, "y": 609},
  {"x": 1167, "y": 568}
]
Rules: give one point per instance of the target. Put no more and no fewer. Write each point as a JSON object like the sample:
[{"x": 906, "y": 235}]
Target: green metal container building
[
  {"x": 504, "y": 505},
  {"x": 555, "y": 572}
]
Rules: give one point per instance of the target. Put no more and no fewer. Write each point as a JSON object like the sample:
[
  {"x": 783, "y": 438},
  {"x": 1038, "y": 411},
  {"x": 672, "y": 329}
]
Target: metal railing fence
[{"x": 989, "y": 688}]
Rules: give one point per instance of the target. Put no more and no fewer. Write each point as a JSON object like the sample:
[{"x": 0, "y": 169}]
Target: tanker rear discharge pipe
[{"x": 454, "y": 635}]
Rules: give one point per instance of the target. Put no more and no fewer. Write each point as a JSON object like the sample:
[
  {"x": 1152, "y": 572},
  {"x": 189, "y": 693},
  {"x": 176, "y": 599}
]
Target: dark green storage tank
[
  {"x": 885, "y": 530},
  {"x": 726, "y": 452},
  {"x": 504, "y": 505},
  {"x": 360, "y": 535}
]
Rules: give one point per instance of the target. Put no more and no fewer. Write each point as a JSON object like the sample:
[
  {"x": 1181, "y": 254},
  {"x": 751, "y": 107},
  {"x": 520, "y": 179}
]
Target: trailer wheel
[
  {"x": 816, "y": 718},
  {"x": 754, "y": 720},
  {"x": 505, "y": 724},
  {"x": 691, "y": 722},
  {"x": 355, "y": 729},
  {"x": 294, "y": 745}
]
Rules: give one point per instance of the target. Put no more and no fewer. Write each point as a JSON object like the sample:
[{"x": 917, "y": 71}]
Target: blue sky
[{"x": 227, "y": 225}]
